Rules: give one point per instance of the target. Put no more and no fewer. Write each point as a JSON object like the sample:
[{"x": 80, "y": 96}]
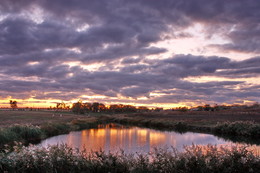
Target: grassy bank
[
  {"x": 32, "y": 134},
  {"x": 193, "y": 159},
  {"x": 237, "y": 131}
]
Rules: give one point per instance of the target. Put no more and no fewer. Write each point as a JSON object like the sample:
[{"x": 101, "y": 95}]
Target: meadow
[{"x": 9, "y": 117}]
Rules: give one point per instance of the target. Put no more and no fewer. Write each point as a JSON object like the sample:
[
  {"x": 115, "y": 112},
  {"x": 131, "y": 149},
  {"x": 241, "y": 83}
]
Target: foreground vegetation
[{"x": 193, "y": 159}]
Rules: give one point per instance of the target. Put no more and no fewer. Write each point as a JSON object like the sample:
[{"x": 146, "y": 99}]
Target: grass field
[
  {"x": 200, "y": 118},
  {"x": 35, "y": 117},
  {"x": 207, "y": 117}
]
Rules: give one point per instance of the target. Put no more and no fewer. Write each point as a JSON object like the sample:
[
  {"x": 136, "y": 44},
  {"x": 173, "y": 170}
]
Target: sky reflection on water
[{"x": 131, "y": 139}]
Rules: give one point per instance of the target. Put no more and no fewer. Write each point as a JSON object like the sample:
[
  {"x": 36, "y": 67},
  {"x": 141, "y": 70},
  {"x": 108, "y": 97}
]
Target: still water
[{"x": 131, "y": 139}]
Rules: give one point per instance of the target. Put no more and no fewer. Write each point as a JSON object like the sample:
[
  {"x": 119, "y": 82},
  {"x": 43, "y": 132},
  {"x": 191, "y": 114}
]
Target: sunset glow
[{"x": 144, "y": 53}]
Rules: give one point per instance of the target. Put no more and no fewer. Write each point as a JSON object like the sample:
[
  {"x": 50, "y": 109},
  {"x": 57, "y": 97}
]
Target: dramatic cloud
[{"x": 125, "y": 51}]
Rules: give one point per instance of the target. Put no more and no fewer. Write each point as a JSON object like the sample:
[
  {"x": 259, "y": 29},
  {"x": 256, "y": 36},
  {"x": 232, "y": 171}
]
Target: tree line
[
  {"x": 82, "y": 108},
  {"x": 85, "y": 107}
]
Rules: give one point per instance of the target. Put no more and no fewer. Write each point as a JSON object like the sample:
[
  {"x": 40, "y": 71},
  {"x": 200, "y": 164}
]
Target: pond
[{"x": 114, "y": 137}]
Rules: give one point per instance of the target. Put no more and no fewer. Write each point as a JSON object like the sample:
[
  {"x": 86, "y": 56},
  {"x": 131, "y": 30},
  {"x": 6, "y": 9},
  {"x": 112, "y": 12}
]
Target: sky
[{"x": 155, "y": 53}]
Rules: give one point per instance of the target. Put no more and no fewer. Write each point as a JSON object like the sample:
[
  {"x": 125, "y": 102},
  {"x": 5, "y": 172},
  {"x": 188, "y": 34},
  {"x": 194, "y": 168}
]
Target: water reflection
[{"x": 131, "y": 139}]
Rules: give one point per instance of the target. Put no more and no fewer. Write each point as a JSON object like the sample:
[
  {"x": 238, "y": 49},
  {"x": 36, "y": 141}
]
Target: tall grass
[
  {"x": 24, "y": 133},
  {"x": 53, "y": 129},
  {"x": 80, "y": 124},
  {"x": 7, "y": 136},
  {"x": 194, "y": 159},
  {"x": 33, "y": 134},
  {"x": 238, "y": 128},
  {"x": 27, "y": 132}
]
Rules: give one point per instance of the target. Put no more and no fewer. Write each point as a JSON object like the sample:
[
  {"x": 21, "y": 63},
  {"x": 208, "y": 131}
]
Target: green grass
[{"x": 194, "y": 159}]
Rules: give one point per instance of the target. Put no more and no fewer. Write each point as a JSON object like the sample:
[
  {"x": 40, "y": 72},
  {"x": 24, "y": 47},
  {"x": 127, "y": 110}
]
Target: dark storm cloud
[{"x": 121, "y": 34}]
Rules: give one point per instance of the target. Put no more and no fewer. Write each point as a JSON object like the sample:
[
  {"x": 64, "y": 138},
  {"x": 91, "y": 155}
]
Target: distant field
[
  {"x": 10, "y": 117},
  {"x": 200, "y": 117}
]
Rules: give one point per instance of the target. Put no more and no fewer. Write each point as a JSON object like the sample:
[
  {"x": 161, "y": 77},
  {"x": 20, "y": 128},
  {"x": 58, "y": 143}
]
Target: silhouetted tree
[
  {"x": 13, "y": 104},
  {"x": 87, "y": 107},
  {"x": 183, "y": 109},
  {"x": 102, "y": 107},
  {"x": 200, "y": 108},
  {"x": 61, "y": 105},
  {"x": 143, "y": 109},
  {"x": 158, "y": 109},
  {"x": 78, "y": 108},
  {"x": 207, "y": 107},
  {"x": 95, "y": 107}
]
